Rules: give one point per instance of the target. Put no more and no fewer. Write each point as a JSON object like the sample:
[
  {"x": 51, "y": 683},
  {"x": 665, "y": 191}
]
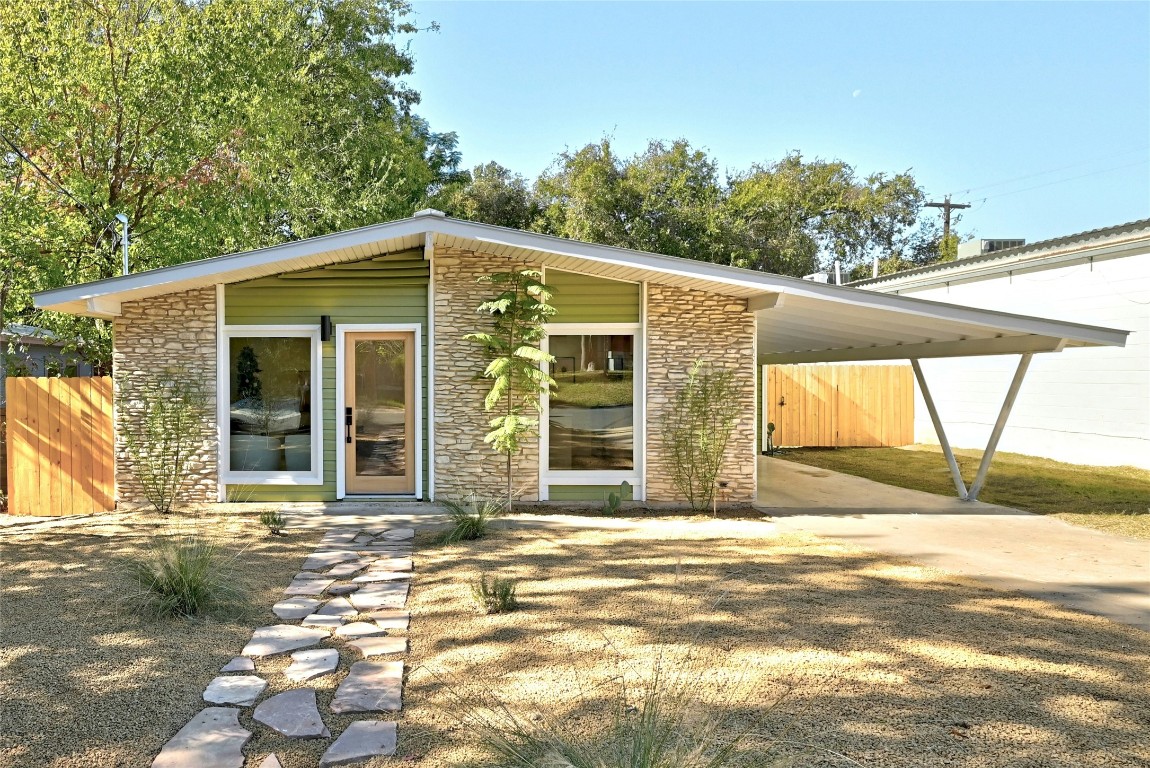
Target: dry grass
[
  {"x": 1111, "y": 499},
  {"x": 86, "y": 681},
  {"x": 887, "y": 664}
]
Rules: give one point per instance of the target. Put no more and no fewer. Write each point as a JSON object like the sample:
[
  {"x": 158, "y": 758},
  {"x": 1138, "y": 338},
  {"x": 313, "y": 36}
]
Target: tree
[
  {"x": 490, "y": 194},
  {"x": 215, "y": 127},
  {"x": 518, "y": 313}
]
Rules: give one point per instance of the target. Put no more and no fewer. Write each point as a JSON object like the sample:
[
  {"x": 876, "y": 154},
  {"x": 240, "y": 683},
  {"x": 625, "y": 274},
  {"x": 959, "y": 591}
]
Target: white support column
[
  {"x": 955, "y": 474},
  {"x": 996, "y": 433}
]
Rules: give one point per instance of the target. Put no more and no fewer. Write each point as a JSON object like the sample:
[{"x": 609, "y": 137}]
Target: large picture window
[
  {"x": 273, "y": 408},
  {"x": 591, "y": 419}
]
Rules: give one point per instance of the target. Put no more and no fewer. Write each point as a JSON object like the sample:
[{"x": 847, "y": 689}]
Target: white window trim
[
  {"x": 223, "y": 384},
  {"x": 341, "y": 331},
  {"x": 634, "y": 477}
]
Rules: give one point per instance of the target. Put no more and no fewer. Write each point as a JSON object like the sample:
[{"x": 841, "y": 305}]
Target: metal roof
[
  {"x": 1132, "y": 232},
  {"x": 799, "y": 320}
]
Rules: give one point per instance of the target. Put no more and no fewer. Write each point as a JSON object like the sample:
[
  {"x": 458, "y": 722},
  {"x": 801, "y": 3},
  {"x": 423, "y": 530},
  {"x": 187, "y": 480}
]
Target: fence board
[
  {"x": 840, "y": 405},
  {"x": 59, "y": 445}
]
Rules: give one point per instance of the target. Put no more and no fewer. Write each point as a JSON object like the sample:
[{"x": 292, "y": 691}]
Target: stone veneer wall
[
  {"x": 463, "y": 462},
  {"x": 177, "y": 330},
  {"x": 682, "y": 326}
]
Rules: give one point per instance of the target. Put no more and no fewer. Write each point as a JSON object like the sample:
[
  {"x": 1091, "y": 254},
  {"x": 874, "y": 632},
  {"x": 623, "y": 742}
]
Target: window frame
[
  {"x": 223, "y": 394},
  {"x": 596, "y": 477}
]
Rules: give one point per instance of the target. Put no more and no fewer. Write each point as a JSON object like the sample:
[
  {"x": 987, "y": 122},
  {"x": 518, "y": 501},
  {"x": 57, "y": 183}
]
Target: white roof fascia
[
  {"x": 1029, "y": 262},
  {"x": 216, "y": 270}
]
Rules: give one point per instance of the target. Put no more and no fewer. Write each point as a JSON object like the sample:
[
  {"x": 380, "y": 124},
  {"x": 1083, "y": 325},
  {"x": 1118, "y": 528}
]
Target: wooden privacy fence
[
  {"x": 840, "y": 405},
  {"x": 59, "y": 446}
]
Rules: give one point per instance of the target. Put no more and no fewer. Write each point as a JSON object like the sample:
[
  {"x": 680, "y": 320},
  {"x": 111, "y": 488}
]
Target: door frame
[{"x": 341, "y": 331}]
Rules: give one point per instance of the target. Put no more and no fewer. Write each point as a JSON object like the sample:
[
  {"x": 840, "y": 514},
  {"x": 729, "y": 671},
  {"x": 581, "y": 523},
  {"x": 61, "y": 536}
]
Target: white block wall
[{"x": 1084, "y": 406}]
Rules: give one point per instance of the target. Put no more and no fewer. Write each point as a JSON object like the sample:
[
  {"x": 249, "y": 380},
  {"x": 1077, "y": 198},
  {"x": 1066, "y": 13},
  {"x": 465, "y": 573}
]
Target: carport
[{"x": 815, "y": 323}]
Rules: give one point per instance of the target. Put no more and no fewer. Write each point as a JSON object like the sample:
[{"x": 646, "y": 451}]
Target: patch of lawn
[{"x": 1111, "y": 499}]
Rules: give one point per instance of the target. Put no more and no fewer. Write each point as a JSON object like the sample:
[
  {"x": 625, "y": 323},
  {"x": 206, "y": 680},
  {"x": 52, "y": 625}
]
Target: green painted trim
[
  {"x": 587, "y": 299},
  {"x": 587, "y": 492}
]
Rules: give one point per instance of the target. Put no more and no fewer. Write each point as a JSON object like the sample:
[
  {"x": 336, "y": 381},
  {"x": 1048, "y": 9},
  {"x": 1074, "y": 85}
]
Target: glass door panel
[{"x": 379, "y": 414}]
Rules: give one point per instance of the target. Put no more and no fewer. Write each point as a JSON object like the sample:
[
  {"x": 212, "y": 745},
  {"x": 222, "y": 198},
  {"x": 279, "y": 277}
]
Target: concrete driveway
[{"x": 1044, "y": 557}]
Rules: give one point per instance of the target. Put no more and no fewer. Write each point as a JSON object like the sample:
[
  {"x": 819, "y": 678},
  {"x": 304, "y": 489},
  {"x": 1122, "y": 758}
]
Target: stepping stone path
[{"x": 372, "y": 568}]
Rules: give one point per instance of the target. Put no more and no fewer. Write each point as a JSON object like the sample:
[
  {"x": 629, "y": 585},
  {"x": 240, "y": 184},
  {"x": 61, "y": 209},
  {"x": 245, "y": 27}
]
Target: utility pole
[{"x": 946, "y": 207}]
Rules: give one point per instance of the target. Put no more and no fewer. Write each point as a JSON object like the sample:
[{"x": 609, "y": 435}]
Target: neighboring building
[
  {"x": 29, "y": 351},
  {"x": 338, "y": 366},
  {"x": 1091, "y": 408}
]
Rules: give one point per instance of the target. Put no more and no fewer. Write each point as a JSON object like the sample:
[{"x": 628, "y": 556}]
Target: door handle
[{"x": 347, "y": 422}]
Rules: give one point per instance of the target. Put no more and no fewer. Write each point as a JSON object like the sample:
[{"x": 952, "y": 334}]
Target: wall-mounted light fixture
[{"x": 325, "y": 328}]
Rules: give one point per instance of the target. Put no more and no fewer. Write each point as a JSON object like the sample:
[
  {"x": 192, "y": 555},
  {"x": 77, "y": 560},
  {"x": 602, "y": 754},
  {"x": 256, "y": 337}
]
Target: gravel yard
[{"x": 882, "y": 663}]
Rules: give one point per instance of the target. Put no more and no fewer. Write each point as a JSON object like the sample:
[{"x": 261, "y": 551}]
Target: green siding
[
  {"x": 384, "y": 294},
  {"x": 584, "y": 299},
  {"x": 587, "y": 492}
]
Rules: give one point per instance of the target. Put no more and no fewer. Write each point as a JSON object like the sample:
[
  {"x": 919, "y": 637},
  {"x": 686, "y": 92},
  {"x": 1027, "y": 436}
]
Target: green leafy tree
[
  {"x": 215, "y": 127},
  {"x": 515, "y": 361},
  {"x": 490, "y": 194}
]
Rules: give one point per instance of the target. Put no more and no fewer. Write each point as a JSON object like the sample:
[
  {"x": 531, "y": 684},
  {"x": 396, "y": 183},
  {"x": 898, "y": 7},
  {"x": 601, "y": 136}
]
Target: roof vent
[
  {"x": 818, "y": 277},
  {"x": 430, "y": 212}
]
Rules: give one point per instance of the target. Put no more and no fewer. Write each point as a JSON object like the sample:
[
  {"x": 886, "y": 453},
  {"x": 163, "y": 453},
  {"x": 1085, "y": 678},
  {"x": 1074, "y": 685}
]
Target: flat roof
[{"x": 798, "y": 320}]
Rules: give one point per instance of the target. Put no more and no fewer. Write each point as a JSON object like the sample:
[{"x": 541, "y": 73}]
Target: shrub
[
  {"x": 696, "y": 430},
  {"x": 273, "y": 521},
  {"x": 494, "y": 596},
  {"x": 162, "y": 421},
  {"x": 469, "y": 521},
  {"x": 182, "y": 577}
]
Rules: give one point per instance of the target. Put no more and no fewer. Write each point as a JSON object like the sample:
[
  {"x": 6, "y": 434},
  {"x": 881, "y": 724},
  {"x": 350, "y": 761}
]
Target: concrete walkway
[{"x": 1044, "y": 557}]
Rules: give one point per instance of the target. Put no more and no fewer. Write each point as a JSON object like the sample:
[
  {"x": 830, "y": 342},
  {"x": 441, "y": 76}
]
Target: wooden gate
[
  {"x": 840, "y": 405},
  {"x": 59, "y": 446}
]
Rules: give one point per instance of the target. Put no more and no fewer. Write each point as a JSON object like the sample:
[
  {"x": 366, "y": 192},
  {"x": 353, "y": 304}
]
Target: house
[
  {"x": 26, "y": 350},
  {"x": 1079, "y": 407},
  {"x": 338, "y": 369}
]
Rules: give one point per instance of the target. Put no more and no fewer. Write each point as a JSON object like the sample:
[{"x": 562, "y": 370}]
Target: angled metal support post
[
  {"x": 955, "y": 474},
  {"x": 996, "y": 433}
]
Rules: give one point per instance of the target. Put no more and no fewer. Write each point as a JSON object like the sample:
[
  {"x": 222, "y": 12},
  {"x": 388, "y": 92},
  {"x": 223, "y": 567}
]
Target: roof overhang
[{"x": 799, "y": 320}]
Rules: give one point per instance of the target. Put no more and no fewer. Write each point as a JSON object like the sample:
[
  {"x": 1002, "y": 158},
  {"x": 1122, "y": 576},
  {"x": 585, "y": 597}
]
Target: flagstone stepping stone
[
  {"x": 398, "y": 534},
  {"x": 321, "y": 559},
  {"x": 313, "y": 663},
  {"x": 371, "y": 576},
  {"x": 271, "y": 761},
  {"x": 386, "y": 594},
  {"x": 370, "y": 686},
  {"x": 390, "y": 618},
  {"x": 359, "y": 629},
  {"x": 392, "y": 564},
  {"x": 242, "y": 690},
  {"x": 239, "y": 664},
  {"x": 211, "y": 739},
  {"x": 281, "y": 638},
  {"x": 293, "y": 714},
  {"x": 343, "y": 589},
  {"x": 319, "y": 620},
  {"x": 361, "y": 741},
  {"x": 308, "y": 587},
  {"x": 363, "y": 538},
  {"x": 295, "y": 608},
  {"x": 337, "y": 606},
  {"x": 396, "y": 550},
  {"x": 343, "y": 570},
  {"x": 378, "y": 646},
  {"x": 305, "y": 575}
]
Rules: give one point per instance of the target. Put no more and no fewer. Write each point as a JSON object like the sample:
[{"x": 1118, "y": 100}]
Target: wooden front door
[{"x": 379, "y": 412}]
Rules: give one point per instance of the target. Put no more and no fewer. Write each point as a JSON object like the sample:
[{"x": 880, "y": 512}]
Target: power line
[
  {"x": 1070, "y": 178},
  {"x": 946, "y": 207},
  {"x": 1053, "y": 170}
]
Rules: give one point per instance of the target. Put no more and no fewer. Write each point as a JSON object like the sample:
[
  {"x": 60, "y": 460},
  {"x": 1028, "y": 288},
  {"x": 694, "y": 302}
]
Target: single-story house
[
  {"x": 26, "y": 350},
  {"x": 1084, "y": 407},
  {"x": 338, "y": 369}
]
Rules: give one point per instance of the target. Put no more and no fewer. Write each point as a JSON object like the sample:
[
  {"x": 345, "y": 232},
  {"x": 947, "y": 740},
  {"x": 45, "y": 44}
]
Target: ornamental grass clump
[
  {"x": 470, "y": 520},
  {"x": 182, "y": 577},
  {"x": 496, "y": 595},
  {"x": 273, "y": 521}
]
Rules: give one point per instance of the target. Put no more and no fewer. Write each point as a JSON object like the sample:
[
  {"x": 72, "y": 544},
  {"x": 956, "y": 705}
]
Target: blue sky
[{"x": 967, "y": 95}]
